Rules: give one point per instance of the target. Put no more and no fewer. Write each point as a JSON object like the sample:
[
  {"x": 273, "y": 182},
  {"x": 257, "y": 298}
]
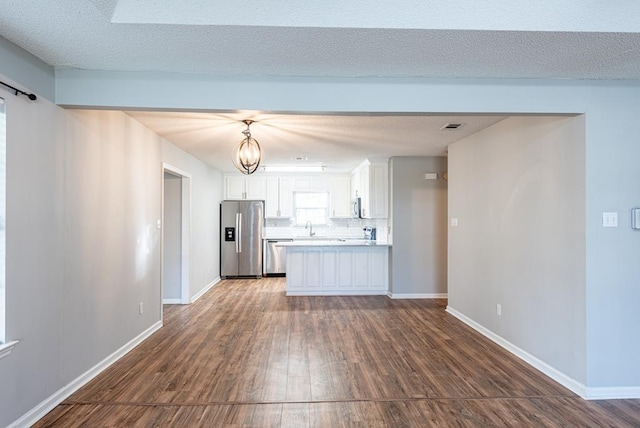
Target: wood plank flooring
[{"x": 247, "y": 355}]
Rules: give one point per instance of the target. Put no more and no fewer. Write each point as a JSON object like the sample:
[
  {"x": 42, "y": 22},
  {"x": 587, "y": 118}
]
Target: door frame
[{"x": 185, "y": 232}]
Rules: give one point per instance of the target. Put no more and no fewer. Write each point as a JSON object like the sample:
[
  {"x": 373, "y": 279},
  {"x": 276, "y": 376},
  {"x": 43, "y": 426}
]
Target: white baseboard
[
  {"x": 585, "y": 392},
  {"x": 612, "y": 393},
  {"x": 417, "y": 295},
  {"x": 338, "y": 293},
  {"x": 6, "y": 348},
  {"x": 205, "y": 289},
  {"x": 176, "y": 301},
  {"x": 38, "y": 412},
  {"x": 545, "y": 368}
]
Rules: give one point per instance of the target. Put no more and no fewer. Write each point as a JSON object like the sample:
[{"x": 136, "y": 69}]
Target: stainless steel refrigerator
[{"x": 241, "y": 225}]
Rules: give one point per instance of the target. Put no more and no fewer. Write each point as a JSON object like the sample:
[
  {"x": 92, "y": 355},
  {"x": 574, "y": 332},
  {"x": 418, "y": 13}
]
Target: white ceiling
[
  {"x": 420, "y": 38},
  {"x": 550, "y": 39},
  {"x": 337, "y": 142}
]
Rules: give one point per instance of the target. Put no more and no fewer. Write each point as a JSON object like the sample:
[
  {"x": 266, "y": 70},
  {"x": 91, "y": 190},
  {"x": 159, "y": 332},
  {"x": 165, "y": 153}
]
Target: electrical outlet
[
  {"x": 609, "y": 219},
  {"x": 499, "y": 309},
  {"x": 140, "y": 308}
]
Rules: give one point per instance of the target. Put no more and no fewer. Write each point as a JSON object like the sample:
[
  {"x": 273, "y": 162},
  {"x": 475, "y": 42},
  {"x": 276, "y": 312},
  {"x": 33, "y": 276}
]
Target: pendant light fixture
[{"x": 247, "y": 154}]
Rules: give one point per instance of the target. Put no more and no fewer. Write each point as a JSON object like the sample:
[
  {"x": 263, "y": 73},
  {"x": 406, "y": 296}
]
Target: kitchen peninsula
[{"x": 336, "y": 267}]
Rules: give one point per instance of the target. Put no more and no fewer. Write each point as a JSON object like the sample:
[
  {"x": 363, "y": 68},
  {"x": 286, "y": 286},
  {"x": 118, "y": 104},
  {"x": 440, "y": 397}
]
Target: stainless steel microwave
[{"x": 356, "y": 208}]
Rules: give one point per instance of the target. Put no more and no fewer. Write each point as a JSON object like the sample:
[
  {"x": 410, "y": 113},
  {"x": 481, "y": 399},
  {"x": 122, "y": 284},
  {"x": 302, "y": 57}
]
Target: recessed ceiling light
[
  {"x": 451, "y": 126},
  {"x": 293, "y": 168}
]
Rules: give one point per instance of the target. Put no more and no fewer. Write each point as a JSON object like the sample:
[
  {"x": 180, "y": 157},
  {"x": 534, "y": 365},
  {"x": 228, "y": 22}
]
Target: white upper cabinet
[
  {"x": 242, "y": 187},
  {"x": 379, "y": 190},
  {"x": 340, "y": 197},
  {"x": 279, "y": 197},
  {"x": 285, "y": 197},
  {"x": 277, "y": 192},
  {"x": 271, "y": 205},
  {"x": 255, "y": 188},
  {"x": 370, "y": 181}
]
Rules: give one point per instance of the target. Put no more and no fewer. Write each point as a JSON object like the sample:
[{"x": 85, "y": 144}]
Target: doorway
[{"x": 176, "y": 230}]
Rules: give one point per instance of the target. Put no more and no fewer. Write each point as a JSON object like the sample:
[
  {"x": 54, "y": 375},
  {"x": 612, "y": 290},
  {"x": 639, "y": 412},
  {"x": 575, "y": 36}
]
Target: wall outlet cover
[{"x": 609, "y": 219}]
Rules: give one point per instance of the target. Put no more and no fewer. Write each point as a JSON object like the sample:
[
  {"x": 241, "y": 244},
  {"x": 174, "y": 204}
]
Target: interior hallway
[{"x": 246, "y": 355}]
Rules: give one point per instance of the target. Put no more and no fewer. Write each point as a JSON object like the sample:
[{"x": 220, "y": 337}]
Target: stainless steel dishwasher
[{"x": 275, "y": 258}]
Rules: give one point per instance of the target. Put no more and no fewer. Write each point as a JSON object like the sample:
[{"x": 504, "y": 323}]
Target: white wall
[
  {"x": 111, "y": 244},
  {"x": 418, "y": 226},
  {"x": 35, "y": 291},
  {"x": 83, "y": 250},
  {"x": 611, "y": 167},
  {"x": 518, "y": 192}
]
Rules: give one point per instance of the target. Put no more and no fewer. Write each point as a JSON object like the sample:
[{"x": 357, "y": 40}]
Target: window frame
[
  {"x": 298, "y": 222},
  {"x": 5, "y": 347}
]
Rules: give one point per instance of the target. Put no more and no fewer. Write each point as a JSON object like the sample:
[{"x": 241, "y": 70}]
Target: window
[{"x": 311, "y": 206}]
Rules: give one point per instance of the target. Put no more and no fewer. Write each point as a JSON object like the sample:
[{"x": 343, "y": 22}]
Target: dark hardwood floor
[{"x": 247, "y": 355}]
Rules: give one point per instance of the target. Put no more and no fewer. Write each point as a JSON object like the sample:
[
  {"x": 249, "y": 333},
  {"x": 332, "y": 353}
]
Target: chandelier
[{"x": 247, "y": 154}]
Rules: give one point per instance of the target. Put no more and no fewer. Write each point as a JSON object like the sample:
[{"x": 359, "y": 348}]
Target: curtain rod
[{"x": 32, "y": 97}]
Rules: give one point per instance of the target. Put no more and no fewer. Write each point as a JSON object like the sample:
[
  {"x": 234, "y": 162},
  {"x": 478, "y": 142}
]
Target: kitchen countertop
[{"x": 331, "y": 242}]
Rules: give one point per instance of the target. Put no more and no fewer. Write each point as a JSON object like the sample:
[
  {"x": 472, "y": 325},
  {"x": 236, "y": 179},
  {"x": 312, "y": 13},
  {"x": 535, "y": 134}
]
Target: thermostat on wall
[{"x": 635, "y": 218}]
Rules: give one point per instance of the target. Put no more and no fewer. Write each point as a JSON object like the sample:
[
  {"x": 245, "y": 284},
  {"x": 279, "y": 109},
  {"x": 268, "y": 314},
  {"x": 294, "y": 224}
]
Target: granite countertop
[{"x": 331, "y": 242}]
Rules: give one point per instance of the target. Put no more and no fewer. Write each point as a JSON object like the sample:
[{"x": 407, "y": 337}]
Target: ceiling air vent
[{"x": 451, "y": 126}]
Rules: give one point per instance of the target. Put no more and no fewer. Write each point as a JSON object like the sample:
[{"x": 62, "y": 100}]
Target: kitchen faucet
[{"x": 310, "y": 227}]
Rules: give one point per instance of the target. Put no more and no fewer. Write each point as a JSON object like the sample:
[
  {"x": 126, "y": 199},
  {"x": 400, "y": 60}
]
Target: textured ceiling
[
  {"x": 547, "y": 39},
  {"x": 337, "y": 142},
  {"x": 515, "y": 38}
]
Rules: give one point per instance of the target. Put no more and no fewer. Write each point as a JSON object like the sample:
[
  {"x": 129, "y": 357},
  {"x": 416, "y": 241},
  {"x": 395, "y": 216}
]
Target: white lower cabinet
[{"x": 331, "y": 270}]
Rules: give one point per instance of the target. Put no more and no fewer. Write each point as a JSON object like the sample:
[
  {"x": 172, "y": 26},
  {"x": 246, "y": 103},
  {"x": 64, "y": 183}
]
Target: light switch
[
  {"x": 158, "y": 224},
  {"x": 609, "y": 219},
  {"x": 454, "y": 222},
  {"x": 635, "y": 218}
]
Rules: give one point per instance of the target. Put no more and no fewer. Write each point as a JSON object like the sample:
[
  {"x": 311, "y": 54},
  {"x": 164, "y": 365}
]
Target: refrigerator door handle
[{"x": 238, "y": 232}]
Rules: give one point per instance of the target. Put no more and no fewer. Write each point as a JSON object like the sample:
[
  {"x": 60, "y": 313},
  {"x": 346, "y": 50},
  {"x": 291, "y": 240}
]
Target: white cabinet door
[
  {"x": 241, "y": 187},
  {"x": 234, "y": 187},
  {"x": 302, "y": 184},
  {"x": 279, "y": 197},
  {"x": 378, "y": 191},
  {"x": 285, "y": 197},
  {"x": 255, "y": 188},
  {"x": 340, "y": 197},
  {"x": 271, "y": 200},
  {"x": 365, "y": 191},
  {"x": 371, "y": 183},
  {"x": 378, "y": 273},
  {"x": 355, "y": 184}
]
